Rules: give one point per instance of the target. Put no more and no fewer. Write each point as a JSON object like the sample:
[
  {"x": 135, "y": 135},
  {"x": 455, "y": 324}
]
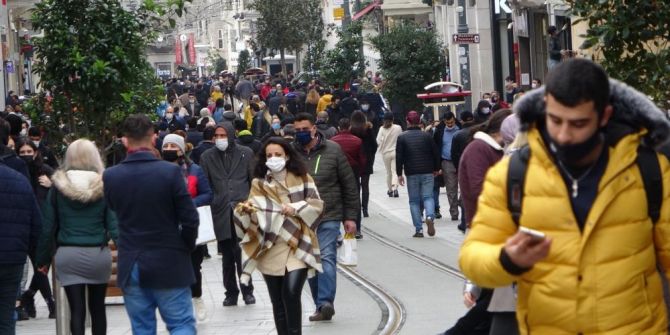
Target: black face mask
[
  {"x": 571, "y": 154},
  {"x": 29, "y": 159},
  {"x": 170, "y": 155}
]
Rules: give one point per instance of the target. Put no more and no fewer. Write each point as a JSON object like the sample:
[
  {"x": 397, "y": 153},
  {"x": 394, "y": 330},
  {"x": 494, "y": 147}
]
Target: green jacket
[
  {"x": 83, "y": 217},
  {"x": 334, "y": 180}
]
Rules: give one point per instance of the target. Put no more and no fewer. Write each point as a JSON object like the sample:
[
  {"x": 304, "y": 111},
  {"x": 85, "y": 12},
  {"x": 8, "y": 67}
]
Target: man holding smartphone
[{"x": 595, "y": 271}]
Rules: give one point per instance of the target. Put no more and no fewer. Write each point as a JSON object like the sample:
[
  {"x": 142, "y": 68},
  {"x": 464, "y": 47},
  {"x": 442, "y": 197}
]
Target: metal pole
[
  {"x": 62, "y": 307},
  {"x": 464, "y": 52},
  {"x": 4, "y": 26},
  {"x": 347, "y": 14}
]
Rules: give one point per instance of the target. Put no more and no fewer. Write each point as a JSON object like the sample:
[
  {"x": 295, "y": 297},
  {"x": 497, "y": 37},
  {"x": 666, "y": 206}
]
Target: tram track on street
[{"x": 394, "y": 313}]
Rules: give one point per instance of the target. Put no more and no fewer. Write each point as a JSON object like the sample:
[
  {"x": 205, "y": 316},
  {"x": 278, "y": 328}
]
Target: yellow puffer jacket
[{"x": 601, "y": 281}]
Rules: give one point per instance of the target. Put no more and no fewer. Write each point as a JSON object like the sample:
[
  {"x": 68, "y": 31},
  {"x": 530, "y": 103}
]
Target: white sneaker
[{"x": 200, "y": 309}]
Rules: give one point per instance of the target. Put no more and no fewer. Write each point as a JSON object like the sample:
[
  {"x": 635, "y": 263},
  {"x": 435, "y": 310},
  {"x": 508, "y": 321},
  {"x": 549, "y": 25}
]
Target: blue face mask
[
  {"x": 303, "y": 137},
  {"x": 276, "y": 126}
]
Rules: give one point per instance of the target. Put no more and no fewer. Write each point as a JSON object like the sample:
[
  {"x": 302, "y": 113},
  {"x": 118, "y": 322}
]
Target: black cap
[{"x": 467, "y": 115}]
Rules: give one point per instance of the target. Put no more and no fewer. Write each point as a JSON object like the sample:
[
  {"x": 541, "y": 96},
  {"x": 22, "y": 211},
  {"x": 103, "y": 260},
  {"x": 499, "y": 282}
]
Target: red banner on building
[
  {"x": 191, "y": 48},
  {"x": 178, "y": 51}
]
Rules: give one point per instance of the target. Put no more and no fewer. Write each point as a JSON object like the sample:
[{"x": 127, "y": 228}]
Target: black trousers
[
  {"x": 232, "y": 268},
  {"x": 76, "y": 298},
  {"x": 196, "y": 259},
  {"x": 477, "y": 320},
  {"x": 286, "y": 304},
  {"x": 10, "y": 279},
  {"x": 365, "y": 191},
  {"x": 40, "y": 281},
  {"x": 504, "y": 323}
]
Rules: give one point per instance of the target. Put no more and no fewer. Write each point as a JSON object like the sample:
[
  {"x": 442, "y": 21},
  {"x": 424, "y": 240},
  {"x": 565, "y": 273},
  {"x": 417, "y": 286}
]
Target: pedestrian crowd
[{"x": 548, "y": 185}]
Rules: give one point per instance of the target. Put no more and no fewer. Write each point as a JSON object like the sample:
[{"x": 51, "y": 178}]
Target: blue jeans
[
  {"x": 323, "y": 285},
  {"x": 10, "y": 277},
  {"x": 420, "y": 188},
  {"x": 173, "y": 304}
]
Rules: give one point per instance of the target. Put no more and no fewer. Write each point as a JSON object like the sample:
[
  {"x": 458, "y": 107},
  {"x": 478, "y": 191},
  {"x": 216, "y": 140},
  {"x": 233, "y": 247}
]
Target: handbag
[
  {"x": 347, "y": 254},
  {"x": 206, "y": 227}
]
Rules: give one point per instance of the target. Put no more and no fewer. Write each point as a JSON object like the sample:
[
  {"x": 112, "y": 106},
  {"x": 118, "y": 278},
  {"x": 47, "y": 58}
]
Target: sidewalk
[{"x": 253, "y": 319}]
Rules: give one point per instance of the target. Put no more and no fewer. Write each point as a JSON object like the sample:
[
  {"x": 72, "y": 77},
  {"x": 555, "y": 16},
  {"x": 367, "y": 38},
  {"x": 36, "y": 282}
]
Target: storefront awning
[{"x": 366, "y": 10}]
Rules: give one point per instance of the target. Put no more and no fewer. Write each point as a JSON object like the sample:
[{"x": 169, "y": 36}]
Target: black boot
[
  {"x": 28, "y": 303},
  {"x": 21, "y": 314},
  {"x": 52, "y": 308}
]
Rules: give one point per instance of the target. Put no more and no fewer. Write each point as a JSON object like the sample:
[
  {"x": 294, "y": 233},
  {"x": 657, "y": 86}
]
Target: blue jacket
[
  {"x": 20, "y": 218},
  {"x": 157, "y": 221}
]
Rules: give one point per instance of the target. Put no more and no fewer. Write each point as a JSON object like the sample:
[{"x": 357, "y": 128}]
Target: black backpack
[{"x": 647, "y": 162}]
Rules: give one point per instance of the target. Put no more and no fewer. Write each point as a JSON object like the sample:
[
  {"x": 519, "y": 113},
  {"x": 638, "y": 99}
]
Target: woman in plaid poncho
[{"x": 276, "y": 228}]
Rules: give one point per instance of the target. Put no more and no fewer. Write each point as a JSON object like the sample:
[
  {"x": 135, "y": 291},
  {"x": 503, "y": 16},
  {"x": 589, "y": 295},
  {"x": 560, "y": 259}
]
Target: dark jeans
[
  {"x": 76, "y": 297},
  {"x": 365, "y": 191},
  {"x": 286, "y": 304},
  {"x": 232, "y": 268},
  {"x": 10, "y": 277},
  {"x": 196, "y": 259},
  {"x": 477, "y": 320}
]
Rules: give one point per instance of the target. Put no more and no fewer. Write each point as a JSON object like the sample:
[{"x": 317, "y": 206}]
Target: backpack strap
[
  {"x": 516, "y": 179},
  {"x": 647, "y": 162}
]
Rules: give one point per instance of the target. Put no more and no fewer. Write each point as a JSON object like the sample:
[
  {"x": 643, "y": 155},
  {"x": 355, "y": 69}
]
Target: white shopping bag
[
  {"x": 347, "y": 254},
  {"x": 206, "y": 227}
]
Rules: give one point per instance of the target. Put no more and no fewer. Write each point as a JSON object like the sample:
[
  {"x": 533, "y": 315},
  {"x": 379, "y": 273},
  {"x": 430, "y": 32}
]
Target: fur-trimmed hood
[
  {"x": 633, "y": 111},
  {"x": 78, "y": 185}
]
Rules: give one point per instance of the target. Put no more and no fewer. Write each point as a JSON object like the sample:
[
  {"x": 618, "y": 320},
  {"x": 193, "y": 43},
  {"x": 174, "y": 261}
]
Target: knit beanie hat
[{"x": 175, "y": 139}]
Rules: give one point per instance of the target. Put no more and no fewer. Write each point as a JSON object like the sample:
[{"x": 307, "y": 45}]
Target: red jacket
[{"x": 352, "y": 146}]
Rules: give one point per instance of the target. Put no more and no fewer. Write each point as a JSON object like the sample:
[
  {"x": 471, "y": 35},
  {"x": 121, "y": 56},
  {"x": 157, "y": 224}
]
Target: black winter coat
[{"x": 416, "y": 153}]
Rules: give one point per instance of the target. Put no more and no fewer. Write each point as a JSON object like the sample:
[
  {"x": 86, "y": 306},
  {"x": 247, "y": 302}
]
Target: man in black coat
[
  {"x": 417, "y": 156},
  {"x": 158, "y": 225},
  {"x": 7, "y": 155}
]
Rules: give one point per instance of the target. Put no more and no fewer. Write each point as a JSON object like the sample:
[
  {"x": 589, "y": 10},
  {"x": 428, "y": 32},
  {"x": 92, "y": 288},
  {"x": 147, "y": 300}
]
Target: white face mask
[
  {"x": 365, "y": 107},
  {"x": 168, "y": 116},
  {"x": 276, "y": 164},
  {"x": 36, "y": 143},
  {"x": 533, "y": 85},
  {"x": 486, "y": 110},
  {"x": 221, "y": 144},
  {"x": 24, "y": 132}
]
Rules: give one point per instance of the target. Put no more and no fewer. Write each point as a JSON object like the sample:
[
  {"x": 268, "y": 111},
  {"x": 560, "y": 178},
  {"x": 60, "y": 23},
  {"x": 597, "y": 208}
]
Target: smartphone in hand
[{"x": 536, "y": 235}]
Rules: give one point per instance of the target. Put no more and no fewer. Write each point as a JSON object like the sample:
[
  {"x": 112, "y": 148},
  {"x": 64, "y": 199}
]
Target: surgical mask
[
  {"x": 571, "y": 154},
  {"x": 276, "y": 126},
  {"x": 303, "y": 137},
  {"x": 486, "y": 110},
  {"x": 36, "y": 143},
  {"x": 365, "y": 108},
  {"x": 276, "y": 164},
  {"x": 24, "y": 132},
  {"x": 29, "y": 159},
  {"x": 533, "y": 85},
  {"x": 168, "y": 116},
  {"x": 170, "y": 155},
  {"x": 451, "y": 127},
  {"x": 221, "y": 144},
  {"x": 192, "y": 101}
]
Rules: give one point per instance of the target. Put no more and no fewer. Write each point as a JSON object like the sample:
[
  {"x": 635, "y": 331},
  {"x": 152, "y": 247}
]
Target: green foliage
[
  {"x": 410, "y": 59},
  {"x": 281, "y": 25},
  {"x": 243, "y": 62},
  {"x": 92, "y": 62},
  {"x": 631, "y": 42},
  {"x": 345, "y": 61},
  {"x": 314, "y": 37}
]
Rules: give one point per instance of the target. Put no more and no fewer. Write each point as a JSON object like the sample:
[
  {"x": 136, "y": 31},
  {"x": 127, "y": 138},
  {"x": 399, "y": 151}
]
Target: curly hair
[{"x": 294, "y": 162}]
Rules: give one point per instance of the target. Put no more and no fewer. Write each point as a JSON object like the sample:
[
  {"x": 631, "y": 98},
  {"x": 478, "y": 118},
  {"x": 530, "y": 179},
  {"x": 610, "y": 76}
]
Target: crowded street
[{"x": 415, "y": 286}]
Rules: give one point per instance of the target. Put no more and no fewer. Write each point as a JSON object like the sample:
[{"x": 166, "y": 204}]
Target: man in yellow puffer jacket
[{"x": 596, "y": 270}]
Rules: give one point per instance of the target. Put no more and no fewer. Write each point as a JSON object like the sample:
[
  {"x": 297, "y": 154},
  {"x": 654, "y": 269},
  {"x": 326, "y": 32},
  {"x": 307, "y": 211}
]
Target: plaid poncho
[{"x": 261, "y": 229}]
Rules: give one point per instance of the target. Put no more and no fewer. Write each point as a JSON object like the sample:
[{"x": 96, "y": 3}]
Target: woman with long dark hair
[
  {"x": 363, "y": 129},
  {"x": 40, "y": 179},
  {"x": 277, "y": 225}
]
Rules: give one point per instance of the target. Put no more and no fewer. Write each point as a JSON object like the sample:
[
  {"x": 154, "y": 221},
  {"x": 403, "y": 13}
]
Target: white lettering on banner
[{"x": 502, "y": 4}]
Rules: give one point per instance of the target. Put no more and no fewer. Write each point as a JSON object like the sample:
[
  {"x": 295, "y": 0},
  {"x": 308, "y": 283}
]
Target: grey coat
[{"x": 230, "y": 186}]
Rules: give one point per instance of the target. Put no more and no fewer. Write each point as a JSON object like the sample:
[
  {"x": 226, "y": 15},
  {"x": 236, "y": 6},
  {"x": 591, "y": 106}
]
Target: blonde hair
[
  {"x": 313, "y": 97},
  {"x": 82, "y": 154}
]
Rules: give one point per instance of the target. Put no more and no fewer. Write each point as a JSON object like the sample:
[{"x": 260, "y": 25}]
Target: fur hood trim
[
  {"x": 633, "y": 112},
  {"x": 77, "y": 185},
  {"x": 480, "y": 135}
]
